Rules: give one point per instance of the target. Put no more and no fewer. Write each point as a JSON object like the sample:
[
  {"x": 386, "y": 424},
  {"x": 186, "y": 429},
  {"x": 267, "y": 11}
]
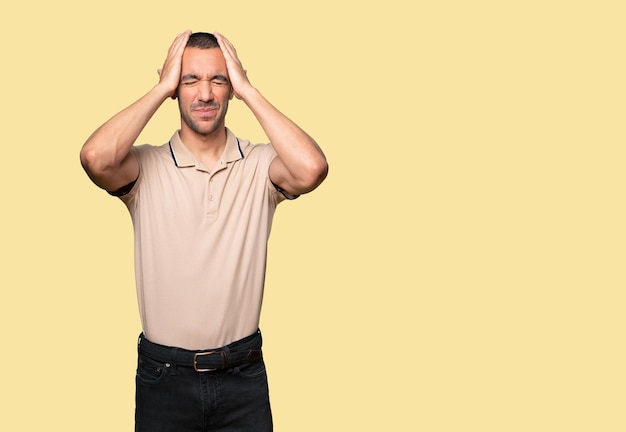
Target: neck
[
  {"x": 213, "y": 142},
  {"x": 207, "y": 148}
]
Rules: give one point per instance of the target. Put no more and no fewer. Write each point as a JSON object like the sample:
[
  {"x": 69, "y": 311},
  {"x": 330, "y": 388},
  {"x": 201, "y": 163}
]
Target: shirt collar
[{"x": 183, "y": 157}]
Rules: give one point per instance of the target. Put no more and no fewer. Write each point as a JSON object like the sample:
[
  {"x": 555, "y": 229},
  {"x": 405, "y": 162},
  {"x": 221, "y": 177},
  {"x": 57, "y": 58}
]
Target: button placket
[
  {"x": 211, "y": 196},
  {"x": 214, "y": 186}
]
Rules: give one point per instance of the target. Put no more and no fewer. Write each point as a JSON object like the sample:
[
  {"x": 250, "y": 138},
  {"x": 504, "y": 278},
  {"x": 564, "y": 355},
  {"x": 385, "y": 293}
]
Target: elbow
[
  {"x": 88, "y": 158},
  {"x": 94, "y": 162},
  {"x": 321, "y": 172},
  {"x": 314, "y": 174},
  {"x": 91, "y": 160}
]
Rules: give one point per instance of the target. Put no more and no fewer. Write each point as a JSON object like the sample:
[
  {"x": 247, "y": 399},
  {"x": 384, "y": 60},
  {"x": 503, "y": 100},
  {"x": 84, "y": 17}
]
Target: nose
[{"x": 205, "y": 91}]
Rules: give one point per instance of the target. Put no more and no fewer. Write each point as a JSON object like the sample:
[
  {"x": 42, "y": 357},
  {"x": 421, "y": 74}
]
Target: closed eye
[
  {"x": 219, "y": 80},
  {"x": 189, "y": 80},
  {"x": 192, "y": 80}
]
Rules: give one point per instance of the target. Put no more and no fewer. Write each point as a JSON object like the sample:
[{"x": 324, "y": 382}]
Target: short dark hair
[{"x": 202, "y": 40}]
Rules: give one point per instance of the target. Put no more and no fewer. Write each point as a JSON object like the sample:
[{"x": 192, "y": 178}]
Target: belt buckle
[{"x": 195, "y": 360}]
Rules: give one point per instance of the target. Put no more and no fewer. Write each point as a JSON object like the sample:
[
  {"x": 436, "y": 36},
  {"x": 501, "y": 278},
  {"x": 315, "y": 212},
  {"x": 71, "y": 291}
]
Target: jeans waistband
[{"x": 245, "y": 350}]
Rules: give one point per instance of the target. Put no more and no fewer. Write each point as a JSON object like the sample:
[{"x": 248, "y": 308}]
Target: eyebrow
[
  {"x": 196, "y": 77},
  {"x": 189, "y": 76},
  {"x": 219, "y": 77}
]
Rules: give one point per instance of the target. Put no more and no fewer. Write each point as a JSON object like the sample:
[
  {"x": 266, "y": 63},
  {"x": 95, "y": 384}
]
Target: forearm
[
  {"x": 109, "y": 145},
  {"x": 298, "y": 152}
]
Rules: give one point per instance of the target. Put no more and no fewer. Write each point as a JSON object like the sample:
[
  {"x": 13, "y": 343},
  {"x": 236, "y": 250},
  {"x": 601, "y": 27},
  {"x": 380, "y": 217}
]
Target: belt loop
[
  {"x": 173, "y": 361},
  {"x": 225, "y": 357}
]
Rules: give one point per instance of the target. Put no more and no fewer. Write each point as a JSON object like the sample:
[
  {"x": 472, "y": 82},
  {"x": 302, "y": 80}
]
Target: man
[{"x": 202, "y": 207}]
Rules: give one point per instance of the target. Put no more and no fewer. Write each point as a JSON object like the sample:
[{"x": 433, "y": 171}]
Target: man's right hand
[{"x": 169, "y": 74}]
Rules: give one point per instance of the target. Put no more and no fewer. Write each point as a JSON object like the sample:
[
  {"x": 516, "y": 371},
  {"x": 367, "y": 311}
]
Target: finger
[
  {"x": 179, "y": 43},
  {"x": 175, "y": 51},
  {"x": 170, "y": 70},
  {"x": 226, "y": 45}
]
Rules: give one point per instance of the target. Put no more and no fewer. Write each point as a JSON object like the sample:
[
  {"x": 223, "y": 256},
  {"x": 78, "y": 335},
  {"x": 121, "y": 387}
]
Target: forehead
[{"x": 203, "y": 61}]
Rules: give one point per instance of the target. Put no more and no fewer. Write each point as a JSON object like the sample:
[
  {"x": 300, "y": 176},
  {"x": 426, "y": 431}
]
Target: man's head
[
  {"x": 204, "y": 89},
  {"x": 202, "y": 41}
]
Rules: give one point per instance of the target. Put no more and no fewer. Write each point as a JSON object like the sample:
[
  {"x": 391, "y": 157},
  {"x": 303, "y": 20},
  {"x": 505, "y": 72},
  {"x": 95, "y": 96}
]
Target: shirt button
[{"x": 210, "y": 197}]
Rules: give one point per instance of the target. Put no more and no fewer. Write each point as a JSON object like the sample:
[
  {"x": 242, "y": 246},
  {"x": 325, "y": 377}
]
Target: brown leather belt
[{"x": 246, "y": 350}]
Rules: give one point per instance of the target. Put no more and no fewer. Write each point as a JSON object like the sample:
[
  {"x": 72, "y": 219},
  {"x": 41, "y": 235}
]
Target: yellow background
[{"x": 461, "y": 269}]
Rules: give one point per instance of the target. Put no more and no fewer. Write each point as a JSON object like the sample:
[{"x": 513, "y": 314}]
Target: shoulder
[
  {"x": 150, "y": 150},
  {"x": 257, "y": 158},
  {"x": 152, "y": 159},
  {"x": 149, "y": 155},
  {"x": 257, "y": 151}
]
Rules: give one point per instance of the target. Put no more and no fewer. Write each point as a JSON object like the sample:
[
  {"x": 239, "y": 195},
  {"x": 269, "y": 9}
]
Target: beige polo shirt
[{"x": 201, "y": 241}]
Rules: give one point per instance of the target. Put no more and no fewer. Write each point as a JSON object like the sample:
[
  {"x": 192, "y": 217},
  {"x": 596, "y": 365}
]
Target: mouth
[{"x": 205, "y": 111}]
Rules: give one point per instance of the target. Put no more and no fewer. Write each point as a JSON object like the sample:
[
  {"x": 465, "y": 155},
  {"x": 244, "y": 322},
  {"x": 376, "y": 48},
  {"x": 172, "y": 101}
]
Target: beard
[{"x": 203, "y": 126}]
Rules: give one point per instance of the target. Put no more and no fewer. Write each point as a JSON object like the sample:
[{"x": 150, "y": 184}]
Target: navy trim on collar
[
  {"x": 173, "y": 155},
  {"x": 239, "y": 147}
]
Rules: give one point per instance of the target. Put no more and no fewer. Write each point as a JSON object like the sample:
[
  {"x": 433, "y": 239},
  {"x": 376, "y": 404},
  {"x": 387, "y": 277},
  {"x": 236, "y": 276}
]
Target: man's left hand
[{"x": 236, "y": 72}]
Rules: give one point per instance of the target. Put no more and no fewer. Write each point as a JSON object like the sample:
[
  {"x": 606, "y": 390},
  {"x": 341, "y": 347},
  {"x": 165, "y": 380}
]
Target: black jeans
[{"x": 171, "y": 397}]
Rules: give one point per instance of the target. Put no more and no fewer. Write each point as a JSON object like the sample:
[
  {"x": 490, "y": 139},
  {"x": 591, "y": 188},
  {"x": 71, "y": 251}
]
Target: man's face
[{"x": 204, "y": 90}]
